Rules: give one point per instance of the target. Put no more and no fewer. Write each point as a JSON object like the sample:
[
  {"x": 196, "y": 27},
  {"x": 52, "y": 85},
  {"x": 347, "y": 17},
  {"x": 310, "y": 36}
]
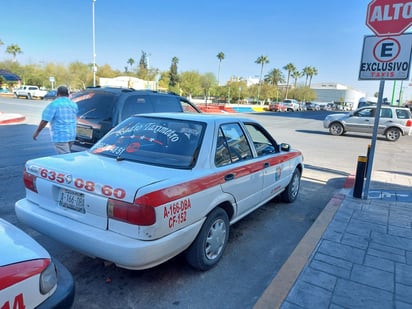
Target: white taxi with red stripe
[
  {"x": 29, "y": 278},
  {"x": 157, "y": 185}
]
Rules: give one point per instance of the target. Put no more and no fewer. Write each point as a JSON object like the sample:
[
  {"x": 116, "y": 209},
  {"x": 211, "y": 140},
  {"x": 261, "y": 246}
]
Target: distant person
[{"x": 61, "y": 114}]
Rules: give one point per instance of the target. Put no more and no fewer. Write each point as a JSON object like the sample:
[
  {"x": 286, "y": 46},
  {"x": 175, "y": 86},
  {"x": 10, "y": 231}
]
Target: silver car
[{"x": 393, "y": 123}]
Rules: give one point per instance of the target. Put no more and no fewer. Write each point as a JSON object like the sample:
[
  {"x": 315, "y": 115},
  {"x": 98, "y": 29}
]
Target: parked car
[
  {"x": 277, "y": 107},
  {"x": 4, "y": 90},
  {"x": 29, "y": 92},
  {"x": 393, "y": 123},
  {"x": 29, "y": 277},
  {"x": 291, "y": 105},
  {"x": 51, "y": 95},
  {"x": 101, "y": 109},
  {"x": 158, "y": 185},
  {"x": 312, "y": 106}
]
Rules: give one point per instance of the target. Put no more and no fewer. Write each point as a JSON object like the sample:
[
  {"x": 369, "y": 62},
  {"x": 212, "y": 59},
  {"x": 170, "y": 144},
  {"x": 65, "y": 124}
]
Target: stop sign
[{"x": 389, "y": 17}]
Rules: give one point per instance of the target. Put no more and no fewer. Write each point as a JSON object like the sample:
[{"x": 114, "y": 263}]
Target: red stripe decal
[
  {"x": 167, "y": 195},
  {"x": 14, "y": 273}
]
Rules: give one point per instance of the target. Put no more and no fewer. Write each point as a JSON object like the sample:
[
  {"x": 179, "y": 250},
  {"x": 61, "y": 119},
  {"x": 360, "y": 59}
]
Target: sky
[{"x": 325, "y": 34}]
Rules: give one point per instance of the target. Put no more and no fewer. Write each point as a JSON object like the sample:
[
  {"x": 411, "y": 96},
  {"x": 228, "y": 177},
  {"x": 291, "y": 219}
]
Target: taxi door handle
[
  {"x": 266, "y": 165},
  {"x": 229, "y": 177}
]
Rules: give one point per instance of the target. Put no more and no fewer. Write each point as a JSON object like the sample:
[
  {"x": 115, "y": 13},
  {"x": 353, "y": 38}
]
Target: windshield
[{"x": 158, "y": 141}]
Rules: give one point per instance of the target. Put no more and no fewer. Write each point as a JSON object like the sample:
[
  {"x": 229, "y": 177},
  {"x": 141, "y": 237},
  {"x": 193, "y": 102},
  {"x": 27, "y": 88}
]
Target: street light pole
[{"x": 94, "y": 47}]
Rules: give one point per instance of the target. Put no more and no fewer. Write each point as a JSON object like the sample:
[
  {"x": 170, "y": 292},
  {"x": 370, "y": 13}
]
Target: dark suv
[{"x": 100, "y": 109}]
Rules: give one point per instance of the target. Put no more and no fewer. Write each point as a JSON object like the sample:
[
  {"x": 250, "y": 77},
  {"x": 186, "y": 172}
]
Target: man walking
[{"x": 61, "y": 113}]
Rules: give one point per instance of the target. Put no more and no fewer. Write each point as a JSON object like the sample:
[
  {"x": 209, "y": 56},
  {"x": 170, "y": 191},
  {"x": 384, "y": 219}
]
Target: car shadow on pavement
[{"x": 360, "y": 136}]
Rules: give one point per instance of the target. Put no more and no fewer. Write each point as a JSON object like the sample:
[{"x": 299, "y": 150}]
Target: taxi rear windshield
[{"x": 151, "y": 140}]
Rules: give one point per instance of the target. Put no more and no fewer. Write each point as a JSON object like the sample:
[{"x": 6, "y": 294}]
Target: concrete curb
[{"x": 11, "y": 118}]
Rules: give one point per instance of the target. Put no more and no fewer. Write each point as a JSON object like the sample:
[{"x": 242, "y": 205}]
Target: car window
[
  {"x": 93, "y": 105},
  {"x": 151, "y": 140},
  {"x": 136, "y": 105},
  {"x": 232, "y": 145},
  {"x": 386, "y": 113},
  {"x": 187, "y": 107},
  {"x": 365, "y": 112},
  {"x": 403, "y": 114},
  {"x": 166, "y": 104},
  {"x": 263, "y": 144}
]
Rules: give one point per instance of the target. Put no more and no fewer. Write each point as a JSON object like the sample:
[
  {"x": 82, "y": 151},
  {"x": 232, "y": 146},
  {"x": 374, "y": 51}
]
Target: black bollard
[
  {"x": 360, "y": 176},
  {"x": 367, "y": 156}
]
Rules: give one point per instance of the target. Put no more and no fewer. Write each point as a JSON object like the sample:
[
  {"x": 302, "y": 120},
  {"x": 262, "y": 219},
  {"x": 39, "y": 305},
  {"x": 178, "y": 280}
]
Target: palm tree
[
  {"x": 306, "y": 72},
  {"x": 295, "y": 75},
  {"x": 130, "y": 62},
  {"x": 13, "y": 49},
  {"x": 262, "y": 60},
  {"x": 275, "y": 77},
  {"x": 219, "y": 56},
  {"x": 290, "y": 67},
  {"x": 314, "y": 71}
]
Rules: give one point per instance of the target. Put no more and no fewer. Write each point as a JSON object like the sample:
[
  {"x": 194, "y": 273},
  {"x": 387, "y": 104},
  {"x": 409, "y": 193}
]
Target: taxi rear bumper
[{"x": 124, "y": 251}]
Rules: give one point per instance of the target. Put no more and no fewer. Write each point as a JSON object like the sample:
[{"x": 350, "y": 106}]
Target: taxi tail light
[
  {"x": 30, "y": 181},
  {"x": 131, "y": 213}
]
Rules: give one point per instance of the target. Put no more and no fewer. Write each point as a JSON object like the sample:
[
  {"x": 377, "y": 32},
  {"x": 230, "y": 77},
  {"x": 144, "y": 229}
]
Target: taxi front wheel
[
  {"x": 209, "y": 245},
  {"x": 292, "y": 189}
]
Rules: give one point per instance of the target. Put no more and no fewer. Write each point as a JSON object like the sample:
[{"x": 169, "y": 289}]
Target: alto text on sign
[
  {"x": 386, "y": 58},
  {"x": 389, "y": 17}
]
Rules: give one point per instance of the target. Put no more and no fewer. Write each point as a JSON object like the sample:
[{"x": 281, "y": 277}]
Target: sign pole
[{"x": 374, "y": 136}]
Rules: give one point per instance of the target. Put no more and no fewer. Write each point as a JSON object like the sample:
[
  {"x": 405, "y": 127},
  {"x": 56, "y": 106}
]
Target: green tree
[
  {"x": 14, "y": 49},
  {"x": 290, "y": 67},
  {"x": 219, "y": 56},
  {"x": 303, "y": 94},
  {"x": 130, "y": 62},
  {"x": 274, "y": 77},
  {"x": 262, "y": 60},
  {"x": 306, "y": 72},
  {"x": 296, "y": 75},
  {"x": 142, "y": 70},
  {"x": 313, "y": 72},
  {"x": 207, "y": 82},
  {"x": 173, "y": 75},
  {"x": 190, "y": 83}
]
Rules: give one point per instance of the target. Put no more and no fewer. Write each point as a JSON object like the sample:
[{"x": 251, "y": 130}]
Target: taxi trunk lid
[{"x": 79, "y": 185}]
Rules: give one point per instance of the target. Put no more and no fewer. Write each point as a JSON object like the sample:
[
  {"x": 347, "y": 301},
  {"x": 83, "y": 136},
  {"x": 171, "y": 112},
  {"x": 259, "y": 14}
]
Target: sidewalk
[
  {"x": 8, "y": 118},
  {"x": 357, "y": 254}
]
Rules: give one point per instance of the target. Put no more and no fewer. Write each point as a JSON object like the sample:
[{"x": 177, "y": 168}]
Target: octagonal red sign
[{"x": 389, "y": 17}]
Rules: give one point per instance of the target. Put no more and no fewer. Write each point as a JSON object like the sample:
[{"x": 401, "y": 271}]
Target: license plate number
[
  {"x": 84, "y": 132},
  {"x": 72, "y": 200}
]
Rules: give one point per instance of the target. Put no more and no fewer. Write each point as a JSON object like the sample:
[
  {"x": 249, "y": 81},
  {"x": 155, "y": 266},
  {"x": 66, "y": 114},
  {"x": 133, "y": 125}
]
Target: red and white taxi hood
[{"x": 17, "y": 246}]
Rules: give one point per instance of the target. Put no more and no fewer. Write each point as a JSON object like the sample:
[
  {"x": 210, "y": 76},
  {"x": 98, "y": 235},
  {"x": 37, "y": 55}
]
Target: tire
[
  {"x": 393, "y": 134},
  {"x": 336, "y": 128},
  {"x": 292, "y": 190},
  {"x": 29, "y": 96},
  {"x": 209, "y": 245}
]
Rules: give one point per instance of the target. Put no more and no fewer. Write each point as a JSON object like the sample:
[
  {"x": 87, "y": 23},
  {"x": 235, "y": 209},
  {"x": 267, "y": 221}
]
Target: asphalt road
[{"x": 258, "y": 245}]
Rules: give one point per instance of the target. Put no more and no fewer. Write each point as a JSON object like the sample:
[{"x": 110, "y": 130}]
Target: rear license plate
[
  {"x": 84, "y": 132},
  {"x": 72, "y": 200}
]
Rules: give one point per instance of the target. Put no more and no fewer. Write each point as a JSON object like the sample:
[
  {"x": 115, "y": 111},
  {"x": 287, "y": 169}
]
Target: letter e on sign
[{"x": 386, "y": 50}]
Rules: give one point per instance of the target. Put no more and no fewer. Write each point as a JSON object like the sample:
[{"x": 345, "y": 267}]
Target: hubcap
[{"x": 215, "y": 239}]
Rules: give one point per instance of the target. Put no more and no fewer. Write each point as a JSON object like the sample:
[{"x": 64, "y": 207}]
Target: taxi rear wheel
[
  {"x": 292, "y": 190},
  {"x": 209, "y": 245}
]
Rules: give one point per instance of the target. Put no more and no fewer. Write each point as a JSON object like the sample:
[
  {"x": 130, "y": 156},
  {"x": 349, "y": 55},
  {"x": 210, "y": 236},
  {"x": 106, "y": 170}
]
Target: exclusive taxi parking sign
[{"x": 386, "y": 58}]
